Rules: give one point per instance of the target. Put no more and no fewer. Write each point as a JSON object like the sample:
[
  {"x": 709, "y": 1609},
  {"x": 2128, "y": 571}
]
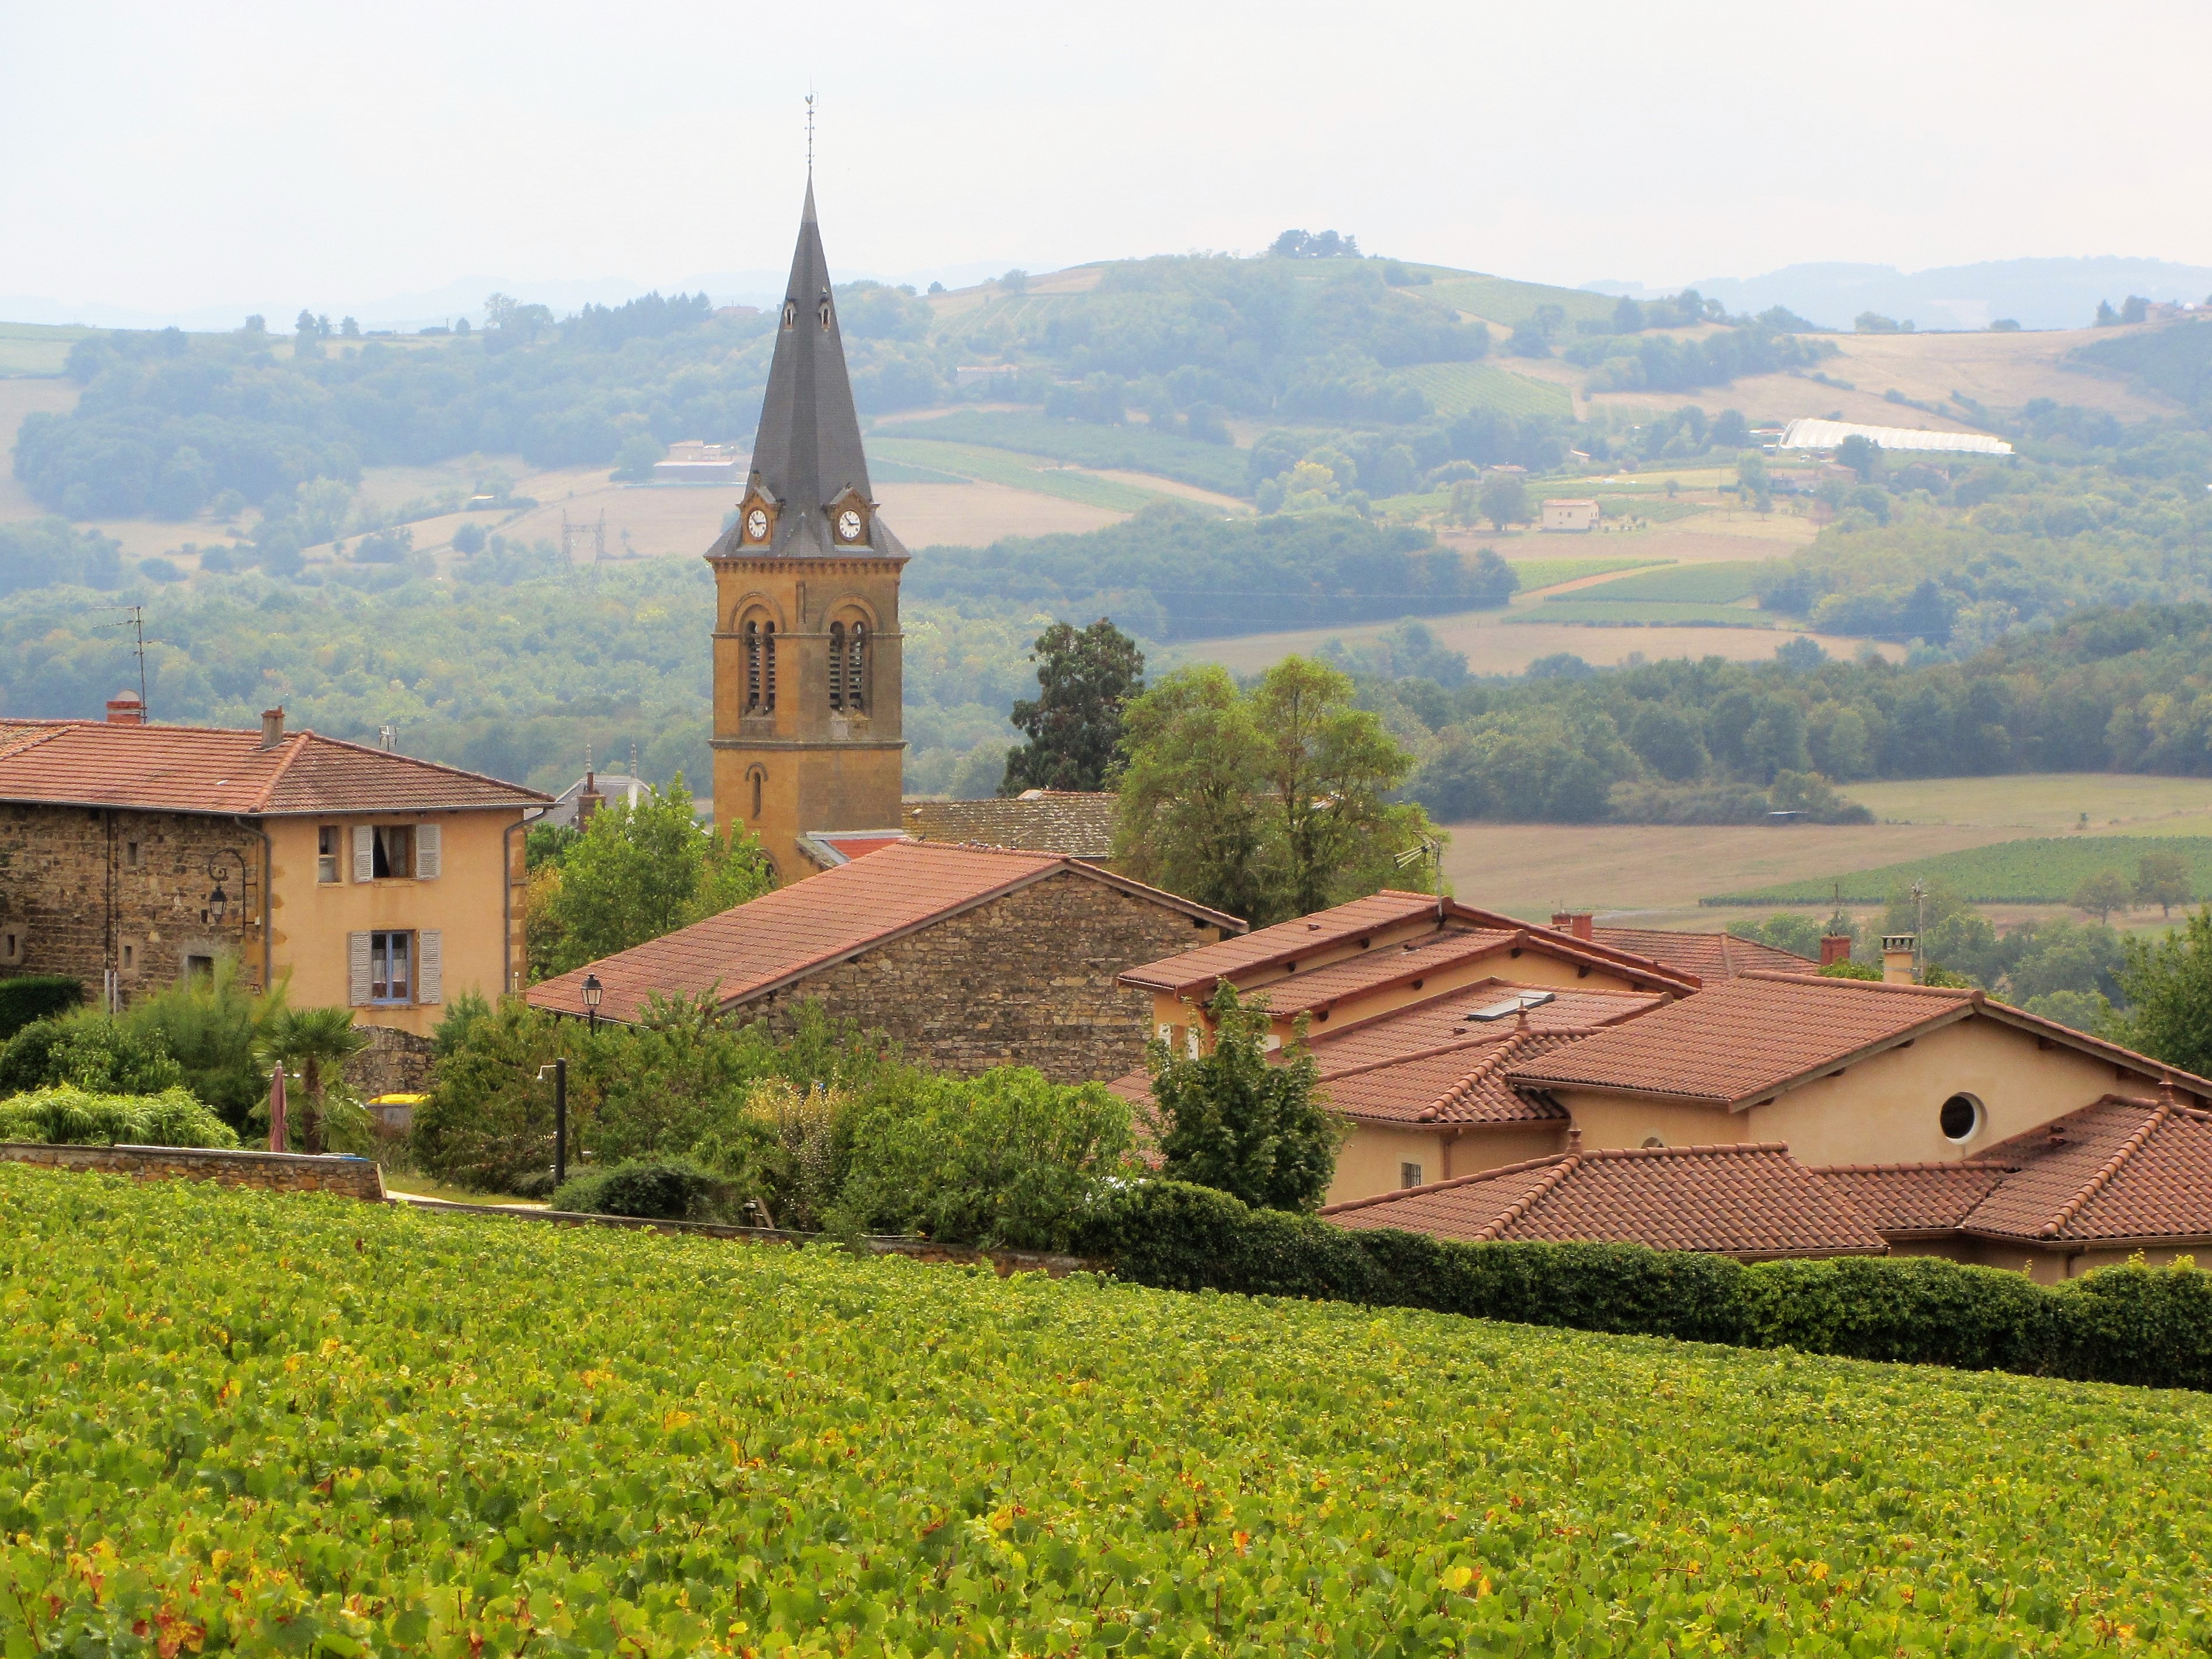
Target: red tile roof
[
  {"x": 1379, "y": 970},
  {"x": 195, "y": 768},
  {"x": 1712, "y": 956},
  {"x": 1195, "y": 972},
  {"x": 2118, "y": 1170},
  {"x": 1752, "y": 1200},
  {"x": 2121, "y": 1171},
  {"x": 1462, "y": 1083},
  {"x": 1748, "y": 1038},
  {"x": 1444, "y": 1017},
  {"x": 784, "y": 935},
  {"x": 1906, "y": 1200}
]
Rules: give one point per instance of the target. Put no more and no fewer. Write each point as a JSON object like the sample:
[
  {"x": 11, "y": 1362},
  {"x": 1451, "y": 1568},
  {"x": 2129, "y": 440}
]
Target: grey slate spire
[{"x": 807, "y": 452}]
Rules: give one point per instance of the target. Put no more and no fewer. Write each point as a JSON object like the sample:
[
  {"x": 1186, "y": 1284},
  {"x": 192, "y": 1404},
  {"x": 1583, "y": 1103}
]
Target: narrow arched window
[
  {"x": 856, "y": 668},
  {"x": 790, "y": 312},
  {"x": 836, "y": 664},
  {"x": 752, "y": 647},
  {"x": 759, "y": 778},
  {"x": 767, "y": 665},
  {"x": 825, "y": 315}
]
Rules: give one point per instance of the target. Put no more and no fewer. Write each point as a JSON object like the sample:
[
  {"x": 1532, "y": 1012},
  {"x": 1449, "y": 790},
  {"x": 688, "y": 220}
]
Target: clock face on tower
[
  {"x": 756, "y": 524},
  {"x": 848, "y": 526}
]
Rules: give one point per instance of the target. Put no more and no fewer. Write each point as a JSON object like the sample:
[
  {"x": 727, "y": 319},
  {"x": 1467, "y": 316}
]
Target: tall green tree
[
  {"x": 1189, "y": 814},
  {"x": 1504, "y": 500},
  {"x": 1230, "y": 1120},
  {"x": 1268, "y": 805},
  {"x": 2162, "y": 878},
  {"x": 639, "y": 871},
  {"x": 1085, "y": 681},
  {"x": 2167, "y": 984}
]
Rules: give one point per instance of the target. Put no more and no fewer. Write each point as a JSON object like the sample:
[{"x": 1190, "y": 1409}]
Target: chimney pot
[
  {"x": 1898, "y": 951},
  {"x": 1583, "y": 924},
  {"x": 1835, "y": 948},
  {"x": 126, "y": 709},
  {"x": 272, "y": 726}
]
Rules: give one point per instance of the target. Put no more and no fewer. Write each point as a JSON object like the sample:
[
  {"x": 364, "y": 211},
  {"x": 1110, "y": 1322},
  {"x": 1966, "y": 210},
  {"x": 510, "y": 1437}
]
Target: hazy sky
[{"x": 174, "y": 157}]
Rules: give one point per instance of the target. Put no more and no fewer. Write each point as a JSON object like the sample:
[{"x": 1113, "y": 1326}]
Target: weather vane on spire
[{"x": 809, "y": 132}]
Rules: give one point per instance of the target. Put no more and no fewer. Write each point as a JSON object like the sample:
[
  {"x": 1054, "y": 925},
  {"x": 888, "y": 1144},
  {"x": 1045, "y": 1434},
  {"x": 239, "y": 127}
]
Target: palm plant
[{"x": 314, "y": 1040}]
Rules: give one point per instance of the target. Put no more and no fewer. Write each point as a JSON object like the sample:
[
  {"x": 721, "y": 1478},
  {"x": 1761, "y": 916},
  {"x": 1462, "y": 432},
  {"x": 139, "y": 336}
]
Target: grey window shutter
[
  {"x": 427, "y": 848},
  {"x": 364, "y": 857},
  {"x": 430, "y": 966},
  {"x": 357, "y": 969}
]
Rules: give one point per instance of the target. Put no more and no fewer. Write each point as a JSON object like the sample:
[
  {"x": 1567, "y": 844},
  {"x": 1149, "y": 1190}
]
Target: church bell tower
[{"x": 806, "y": 585}]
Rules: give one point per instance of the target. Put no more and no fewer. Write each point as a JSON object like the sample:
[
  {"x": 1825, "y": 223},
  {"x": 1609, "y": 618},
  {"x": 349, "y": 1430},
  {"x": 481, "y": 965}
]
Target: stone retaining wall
[{"x": 274, "y": 1172}]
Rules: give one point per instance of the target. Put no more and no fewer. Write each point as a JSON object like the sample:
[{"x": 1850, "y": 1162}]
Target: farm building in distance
[
  {"x": 1584, "y": 515},
  {"x": 693, "y": 462},
  {"x": 1827, "y": 435}
]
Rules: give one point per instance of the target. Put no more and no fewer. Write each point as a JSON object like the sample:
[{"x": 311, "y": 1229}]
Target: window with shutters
[
  {"x": 430, "y": 851},
  {"x": 391, "y": 968},
  {"x": 393, "y": 852},
  {"x": 327, "y": 839}
]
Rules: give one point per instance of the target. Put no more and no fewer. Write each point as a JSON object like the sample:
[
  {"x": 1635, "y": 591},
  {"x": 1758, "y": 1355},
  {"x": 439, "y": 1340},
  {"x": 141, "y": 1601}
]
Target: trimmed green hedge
[
  {"x": 2149, "y": 1326},
  {"x": 672, "y": 1189},
  {"x": 29, "y": 996}
]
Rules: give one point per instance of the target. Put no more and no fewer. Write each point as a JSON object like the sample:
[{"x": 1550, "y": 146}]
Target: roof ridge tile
[
  {"x": 2103, "y": 1177},
  {"x": 1568, "y": 1164}
]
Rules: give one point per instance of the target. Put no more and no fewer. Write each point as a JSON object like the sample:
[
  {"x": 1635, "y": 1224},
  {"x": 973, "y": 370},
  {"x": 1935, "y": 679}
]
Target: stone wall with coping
[
  {"x": 395, "y": 1062},
  {"x": 1025, "y": 980},
  {"x": 274, "y": 1172}
]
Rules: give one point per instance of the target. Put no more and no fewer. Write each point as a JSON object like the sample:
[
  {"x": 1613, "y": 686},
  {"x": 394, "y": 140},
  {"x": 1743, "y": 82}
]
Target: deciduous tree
[
  {"x": 1230, "y": 1119},
  {"x": 1085, "y": 680}
]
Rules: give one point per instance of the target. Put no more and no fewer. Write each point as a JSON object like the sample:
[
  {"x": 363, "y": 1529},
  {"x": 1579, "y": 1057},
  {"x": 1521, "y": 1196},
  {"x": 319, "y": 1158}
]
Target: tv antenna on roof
[
  {"x": 1427, "y": 846},
  {"x": 135, "y": 619}
]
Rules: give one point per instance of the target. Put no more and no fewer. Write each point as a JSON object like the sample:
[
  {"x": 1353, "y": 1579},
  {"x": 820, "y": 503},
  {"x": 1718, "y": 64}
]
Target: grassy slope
[
  {"x": 2045, "y": 870},
  {"x": 1502, "y": 300},
  {"x": 1002, "y": 466},
  {"x": 1132, "y": 447},
  {"x": 453, "y": 1431},
  {"x": 1692, "y": 584},
  {"x": 37, "y": 348}
]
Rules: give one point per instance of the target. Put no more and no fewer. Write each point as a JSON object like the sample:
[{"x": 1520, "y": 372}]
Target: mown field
[
  {"x": 253, "y": 1424},
  {"x": 1694, "y": 584},
  {"x": 1135, "y": 447},
  {"x": 1001, "y": 466},
  {"x": 2045, "y": 869}
]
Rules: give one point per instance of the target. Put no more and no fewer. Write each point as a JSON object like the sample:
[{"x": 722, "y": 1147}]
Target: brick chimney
[
  {"x": 1896, "y": 954},
  {"x": 589, "y": 802},
  {"x": 272, "y": 726},
  {"x": 124, "y": 709},
  {"x": 1583, "y": 924},
  {"x": 1835, "y": 948}
]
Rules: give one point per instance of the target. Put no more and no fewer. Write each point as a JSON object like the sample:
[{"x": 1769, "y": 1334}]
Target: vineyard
[
  {"x": 263, "y": 1426},
  {"x": 1456, "y": 388},
  {"x": 2045, "y": 869}
]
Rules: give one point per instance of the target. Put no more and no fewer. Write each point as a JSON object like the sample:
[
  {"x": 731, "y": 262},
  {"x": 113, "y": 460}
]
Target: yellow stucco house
[{"x": 132, "y": 856}]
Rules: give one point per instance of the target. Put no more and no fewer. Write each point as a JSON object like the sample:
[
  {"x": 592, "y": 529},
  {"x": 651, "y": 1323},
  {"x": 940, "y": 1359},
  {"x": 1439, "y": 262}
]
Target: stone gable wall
[
  {"x": 70, "y": 895},
  {"x": 1024, "y": 980}
]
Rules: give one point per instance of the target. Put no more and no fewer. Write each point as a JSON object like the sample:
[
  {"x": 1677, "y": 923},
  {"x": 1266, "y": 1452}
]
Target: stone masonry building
[{"x": 967, "y": 957}]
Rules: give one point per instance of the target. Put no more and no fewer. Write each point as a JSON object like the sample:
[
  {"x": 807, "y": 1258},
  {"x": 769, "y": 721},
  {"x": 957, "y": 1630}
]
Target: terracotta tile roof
[
  {"x": 1712, "y": 956},
  {"x": 1462, "y": 1083},
  {"x": 1750, "y": 1200},
  {"x": 828, "y": 848},
  {"x": 196, "y": 769},
  {"x": 1195, "y": 972},
  {"x": 1077, "y": 822},
  {"x": 782, "y": 936},
  {"x": 2118, "y": 1170},
  {"x": 1749, "y": 1037},
  {"x": 1443, "y": 1019},
  {"x": 1901, "y": 1200},
  {"x": 1374, "y": 970}
]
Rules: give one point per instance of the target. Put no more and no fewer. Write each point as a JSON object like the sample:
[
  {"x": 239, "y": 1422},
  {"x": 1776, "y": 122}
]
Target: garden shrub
[
  {"x": 36, "y": 996},
  {"x": 1006, "y": 1158},
  {"x": 67, "y": 1116},
  {"x": 90, "y": 1052},
  {"x": 675, "y": 1189}
]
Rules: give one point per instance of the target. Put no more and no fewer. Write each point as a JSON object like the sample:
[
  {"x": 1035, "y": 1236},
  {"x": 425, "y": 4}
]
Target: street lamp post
[
  {"x": 560, "y": 1070},
  {"x": 592, "y": 992}
]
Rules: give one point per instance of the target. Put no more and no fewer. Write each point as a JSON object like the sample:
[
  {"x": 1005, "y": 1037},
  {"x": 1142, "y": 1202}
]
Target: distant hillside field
[
  {"x": 1456, "y": 388},
  {"x": 2044, "y": 871}
]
